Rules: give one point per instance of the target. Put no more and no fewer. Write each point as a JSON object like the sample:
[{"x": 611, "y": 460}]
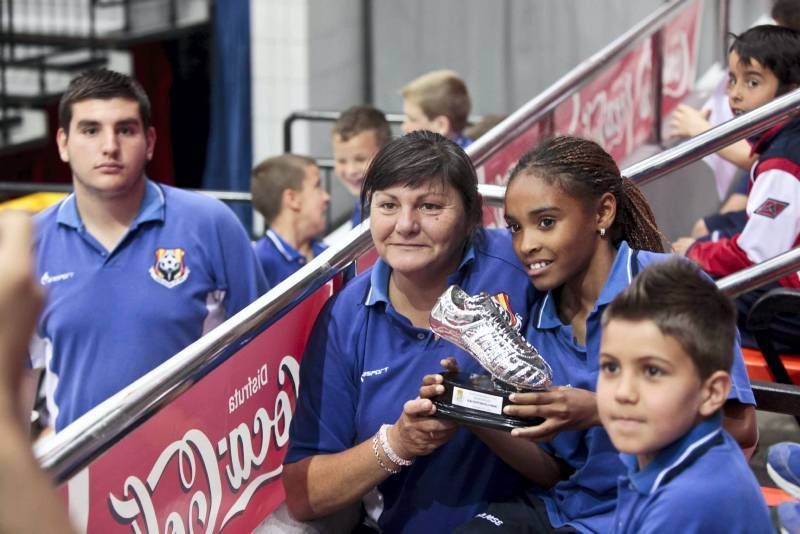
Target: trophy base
[{"x": 473, "y": 399}]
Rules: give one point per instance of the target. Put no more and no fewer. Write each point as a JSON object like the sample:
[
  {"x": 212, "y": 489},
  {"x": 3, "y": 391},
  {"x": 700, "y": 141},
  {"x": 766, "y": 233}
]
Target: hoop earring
[{"x": 602, "y": 232}]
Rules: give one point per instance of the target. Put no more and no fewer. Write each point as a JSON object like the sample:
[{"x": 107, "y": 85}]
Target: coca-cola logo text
[{"x": 232, "y": 459}]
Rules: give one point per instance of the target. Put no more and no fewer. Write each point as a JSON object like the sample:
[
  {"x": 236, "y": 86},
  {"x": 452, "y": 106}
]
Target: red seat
[
  {"x": 757, "y": 367},
  {"x": 775, "y": 496}
]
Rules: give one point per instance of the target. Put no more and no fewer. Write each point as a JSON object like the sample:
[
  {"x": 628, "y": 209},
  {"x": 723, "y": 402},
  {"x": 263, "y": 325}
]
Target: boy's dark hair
[
  {"x": 272, "y": 177},
  {"x": 787, "y": 13},
  {"x": 441, "y": 92},
  {"x": 420, "y": 157},
  {"x": 583, "y": 170},
  {"x": 776, "y": 48},
  {"x": 358, "y": 119},
  {"x": 685, "y": 305},
  {"x": 102, "y": 84}
]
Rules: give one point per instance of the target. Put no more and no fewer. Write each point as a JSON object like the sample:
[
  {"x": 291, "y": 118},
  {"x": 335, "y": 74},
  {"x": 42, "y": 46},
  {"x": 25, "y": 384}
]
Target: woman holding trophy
[{"x": 360, "y": 433}]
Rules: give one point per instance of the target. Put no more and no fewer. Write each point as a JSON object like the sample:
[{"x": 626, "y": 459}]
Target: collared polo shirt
[
  {"x": 364, "y": 361},
  {"x": 586, "y": 500},
  {"x": 700, "y": 483},
  {"x": 184, "y": 265},
  {"x": 279, "y": 259}
]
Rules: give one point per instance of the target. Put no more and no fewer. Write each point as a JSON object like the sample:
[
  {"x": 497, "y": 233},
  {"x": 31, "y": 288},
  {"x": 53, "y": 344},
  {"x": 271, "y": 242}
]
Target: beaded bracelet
[
  {"x": 393, "y": 456},
  {"x": 378, "y": 457}
]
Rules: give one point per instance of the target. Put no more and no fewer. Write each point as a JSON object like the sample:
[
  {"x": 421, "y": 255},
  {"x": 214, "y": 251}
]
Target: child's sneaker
[
  {"x": 783, "y": 465},
  {"x": 789, "y": 517}
]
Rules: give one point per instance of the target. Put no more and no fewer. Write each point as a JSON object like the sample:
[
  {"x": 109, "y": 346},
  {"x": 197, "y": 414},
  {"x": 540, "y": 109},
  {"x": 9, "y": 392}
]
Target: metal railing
[
  {"x": 68, "y": 451},
  {"x": 332, "y": 116},
  {"x": 319, "y": 116}
]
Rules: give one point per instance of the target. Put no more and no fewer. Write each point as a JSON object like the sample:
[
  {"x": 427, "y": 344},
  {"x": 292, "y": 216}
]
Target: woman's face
[
  {"x": 554, "y": 234},
  {"x": 419, "y": 230}
]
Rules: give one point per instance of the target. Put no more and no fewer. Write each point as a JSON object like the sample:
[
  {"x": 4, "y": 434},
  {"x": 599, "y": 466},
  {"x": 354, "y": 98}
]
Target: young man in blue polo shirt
[
  {"x": 134, "y": 271},
  {"x": 665, "y": 356},
  {"x": 288, "y": 193}
]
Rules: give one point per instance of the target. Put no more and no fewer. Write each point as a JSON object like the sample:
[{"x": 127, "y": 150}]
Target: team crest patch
[
  {"x": 771, "y": 208},
  {"x": 170, "y": 269}
]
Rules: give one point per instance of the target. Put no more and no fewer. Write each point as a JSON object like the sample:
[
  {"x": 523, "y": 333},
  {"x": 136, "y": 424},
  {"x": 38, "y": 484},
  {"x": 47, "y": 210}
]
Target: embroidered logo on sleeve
[
  {"x": 170, "y": 268},
  {"x": 771, "y": 208}
]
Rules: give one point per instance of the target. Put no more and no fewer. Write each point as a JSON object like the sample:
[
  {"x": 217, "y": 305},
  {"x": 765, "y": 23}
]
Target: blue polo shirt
[
  {"x": 364, "y": 361},
  {"x": 463, "y": 141},
  {"x": 184, "y": 266},
  {"x": 586, "y": 500},
  {"x": 355, "y": 219},
  {"x": 700, "y": 483},
  {"x": 279, "y": 259}
]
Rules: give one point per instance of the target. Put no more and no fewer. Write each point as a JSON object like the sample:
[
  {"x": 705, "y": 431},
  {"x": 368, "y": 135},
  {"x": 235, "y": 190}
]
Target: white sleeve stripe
[{"x": 765, "y": 236}]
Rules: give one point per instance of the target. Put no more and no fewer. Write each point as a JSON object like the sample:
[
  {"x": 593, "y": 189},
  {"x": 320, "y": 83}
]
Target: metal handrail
[
  {"x": 538, "y": 107},
  {"x": 229, "y": 196},
  {"x": 331, "y": 116},
  {"x": 70, "y": 450},
  {"x": 32, "y": 187},
  {"x": 320, "y": 116},
  {"x": 758, "y": 275},
  {"x": 711, "y": 141}
]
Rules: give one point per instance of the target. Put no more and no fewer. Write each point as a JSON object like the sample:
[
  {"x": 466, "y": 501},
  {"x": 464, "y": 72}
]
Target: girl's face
[{"x": 554, "y": 234}]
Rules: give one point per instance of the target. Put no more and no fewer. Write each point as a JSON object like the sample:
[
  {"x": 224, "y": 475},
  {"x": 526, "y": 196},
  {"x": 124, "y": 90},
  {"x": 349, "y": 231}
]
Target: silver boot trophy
[{"x": 489, "y": 332}]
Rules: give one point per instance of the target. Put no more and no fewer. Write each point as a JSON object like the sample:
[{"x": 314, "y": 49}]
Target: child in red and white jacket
[{"x": 763, "y": 65}]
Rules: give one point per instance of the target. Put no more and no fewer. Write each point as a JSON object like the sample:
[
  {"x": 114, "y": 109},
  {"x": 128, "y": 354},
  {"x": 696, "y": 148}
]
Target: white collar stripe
[
  {"x": 683, "y": 457},
  {"x": 278, "y": 244},
  {"x": 630, "y": 269},
  {"x": 541, "y": 310}
]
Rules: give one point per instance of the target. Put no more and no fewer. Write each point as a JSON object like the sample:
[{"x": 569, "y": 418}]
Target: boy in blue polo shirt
[
  {"x": 356, "y": 137},
  {"x": 437, "y": 101},
  {"x": 288, "y": 193},
  {"x": 665, "y": 355}
]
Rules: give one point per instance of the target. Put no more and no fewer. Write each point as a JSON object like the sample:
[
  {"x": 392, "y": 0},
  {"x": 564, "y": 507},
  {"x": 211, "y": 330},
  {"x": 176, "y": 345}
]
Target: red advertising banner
[
  {"x": 679, "y": 38},
  {"x": 497, "y": 169},
  {"x": 616, "y": 108},
  {"x": 211, "y": 460}
]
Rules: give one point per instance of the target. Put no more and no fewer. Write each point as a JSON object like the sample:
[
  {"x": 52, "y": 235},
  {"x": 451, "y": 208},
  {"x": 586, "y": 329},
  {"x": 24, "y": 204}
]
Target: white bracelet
[
  {"x": 387, "y": 449},
  {"x": 388, "y": 469}
]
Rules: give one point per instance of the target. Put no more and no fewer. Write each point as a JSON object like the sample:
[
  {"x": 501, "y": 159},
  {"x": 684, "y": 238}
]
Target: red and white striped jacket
[{"x": 773, "y": 209}]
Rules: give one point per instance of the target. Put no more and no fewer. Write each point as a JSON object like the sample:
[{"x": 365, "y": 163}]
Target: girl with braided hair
[{"x": 582, "y": 232}]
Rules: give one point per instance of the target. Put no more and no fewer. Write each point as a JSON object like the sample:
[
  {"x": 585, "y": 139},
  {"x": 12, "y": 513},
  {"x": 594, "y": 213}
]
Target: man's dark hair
[
  {"x": 685, "y": 305},
  {"x": 776, "y": 48},
  {"x": 103, "y": 84},
  {"x": 359, "y": 119}
]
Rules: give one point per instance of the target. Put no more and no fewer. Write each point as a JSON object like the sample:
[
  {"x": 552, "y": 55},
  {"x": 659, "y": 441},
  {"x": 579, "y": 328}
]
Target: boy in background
[
  {"x": 665, "y": 353},
  {"x": 288, "y": 193},
  {"x": 763, "y": 64},
  {"x": 687, "y": 121},
  {"x": 358, "y": 134},
  {"x": 439, "y": 102}
]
